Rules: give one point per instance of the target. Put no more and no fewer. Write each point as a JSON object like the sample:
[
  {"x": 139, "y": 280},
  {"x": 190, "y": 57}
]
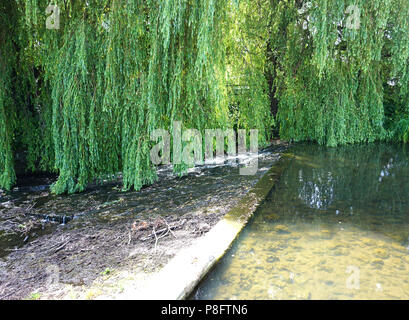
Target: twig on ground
[
  {"x": 59, "y": 247},
  {"x": 169, "y": 228},
  {"x": 156, "y": 237},
  {"x": 160, "y": 232},
  {"x": 15, "y": 249},
  {"x": 129, "y": 238}
]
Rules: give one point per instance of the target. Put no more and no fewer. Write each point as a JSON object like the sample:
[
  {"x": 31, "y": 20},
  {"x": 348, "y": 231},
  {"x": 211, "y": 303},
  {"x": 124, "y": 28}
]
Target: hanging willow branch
[{"x": 83, "y": 100}]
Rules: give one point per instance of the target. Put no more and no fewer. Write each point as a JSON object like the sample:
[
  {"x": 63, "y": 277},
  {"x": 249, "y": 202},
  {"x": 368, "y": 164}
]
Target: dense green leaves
[
  {"x": 332, "y": 77},
  {"x": 83, "y": 100},
  {"x": 112, "y": 73}
]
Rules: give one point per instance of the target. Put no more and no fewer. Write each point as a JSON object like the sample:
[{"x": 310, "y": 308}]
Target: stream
[{"x": 335, "y": 226}]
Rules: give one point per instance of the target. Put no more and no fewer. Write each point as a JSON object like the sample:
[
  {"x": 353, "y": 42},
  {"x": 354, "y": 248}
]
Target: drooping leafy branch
[{"x": 83, "y": 100}]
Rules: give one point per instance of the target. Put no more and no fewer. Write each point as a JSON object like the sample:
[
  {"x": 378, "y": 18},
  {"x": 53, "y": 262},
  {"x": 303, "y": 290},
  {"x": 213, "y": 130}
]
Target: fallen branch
[
  {"x": 59, "y": 247},
  {"x": 13, "y": 250},
  {"x": 159, "y": 232}
]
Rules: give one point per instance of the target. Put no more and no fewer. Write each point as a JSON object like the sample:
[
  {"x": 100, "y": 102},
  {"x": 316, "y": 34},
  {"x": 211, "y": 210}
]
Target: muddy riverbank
[{"x": 61, "y": 246}]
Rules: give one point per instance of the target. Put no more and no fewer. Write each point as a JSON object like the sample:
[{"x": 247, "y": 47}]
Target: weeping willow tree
[
  {"x": 334, "y": 60},
  {"x": 183, "y": 80},
  {"x": 25, "y": 119},
  {"x": 104, "y": 80},
  {"x": 334, "y": 72},
  {"x": 82, "y": 100},
  {"x": 7, "y": 106},
  {"x": 248, "y": 77}
]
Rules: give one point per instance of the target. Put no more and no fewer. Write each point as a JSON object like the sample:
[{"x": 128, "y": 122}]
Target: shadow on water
[{"x": 335, "y": 226}]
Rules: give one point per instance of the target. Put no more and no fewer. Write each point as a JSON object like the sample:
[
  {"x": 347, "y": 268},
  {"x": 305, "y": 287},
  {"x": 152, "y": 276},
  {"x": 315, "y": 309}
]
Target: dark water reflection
[{"x": 364, "y": 185}]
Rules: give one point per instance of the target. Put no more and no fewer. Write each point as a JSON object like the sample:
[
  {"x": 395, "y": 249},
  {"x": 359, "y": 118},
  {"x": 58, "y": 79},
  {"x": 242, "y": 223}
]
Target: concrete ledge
[{"x": 183, "y": 273}]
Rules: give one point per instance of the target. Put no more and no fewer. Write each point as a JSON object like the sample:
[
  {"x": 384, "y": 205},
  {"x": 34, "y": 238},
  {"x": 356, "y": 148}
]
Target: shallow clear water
[{"x": 335, "y": 226}]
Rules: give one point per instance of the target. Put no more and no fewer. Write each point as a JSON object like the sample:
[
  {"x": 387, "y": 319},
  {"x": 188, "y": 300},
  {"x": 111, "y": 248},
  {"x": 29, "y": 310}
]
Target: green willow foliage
[
  {"x": 7, "y": 107},
  {"x": 113, "y": 72},
  {"x": 331, "y": 78},
  {"x": 83, "y": 100},
  {"x": 247, "y": 67}
]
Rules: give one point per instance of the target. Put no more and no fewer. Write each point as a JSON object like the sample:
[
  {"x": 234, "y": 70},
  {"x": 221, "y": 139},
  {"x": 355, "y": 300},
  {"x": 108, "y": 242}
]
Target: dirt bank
[{"x": 117, "y": 233}]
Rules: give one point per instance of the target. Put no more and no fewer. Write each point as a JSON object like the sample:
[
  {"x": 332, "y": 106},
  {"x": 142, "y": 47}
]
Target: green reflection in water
[{"x": 335, "y": 226}]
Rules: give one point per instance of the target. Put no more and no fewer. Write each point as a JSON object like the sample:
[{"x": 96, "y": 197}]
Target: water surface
[{"x": 335, "y": 226}]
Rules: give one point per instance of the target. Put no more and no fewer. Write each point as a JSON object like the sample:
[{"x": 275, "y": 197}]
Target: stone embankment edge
[{"x": 178, "y": 279}]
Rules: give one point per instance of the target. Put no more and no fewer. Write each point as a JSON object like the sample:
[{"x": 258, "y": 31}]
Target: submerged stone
[{"x": 281, "y": 229}]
